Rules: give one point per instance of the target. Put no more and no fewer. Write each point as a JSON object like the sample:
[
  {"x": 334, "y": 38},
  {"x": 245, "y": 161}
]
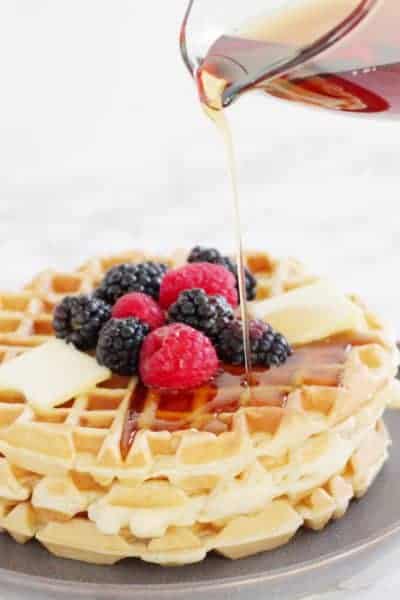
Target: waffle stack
[{"x": 114, "y": 473}]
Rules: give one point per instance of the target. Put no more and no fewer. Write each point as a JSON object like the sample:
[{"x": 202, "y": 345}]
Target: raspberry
[
  {"x": 213, "y": 279},
  {"x": 142, "y": 307},
  {"x": 267, "y": 347},
  {"x": 209, "y": 314},
  {"x": 212, "y": 255},
  {"x": 78, "y": 320},
  {"x": 119, "y": 345},
  {"x": 177, "y": 357}
]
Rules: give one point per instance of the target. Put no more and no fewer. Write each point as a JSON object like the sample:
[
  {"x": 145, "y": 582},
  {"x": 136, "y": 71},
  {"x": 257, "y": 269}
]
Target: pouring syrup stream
[{"x": 210, "y": 91}]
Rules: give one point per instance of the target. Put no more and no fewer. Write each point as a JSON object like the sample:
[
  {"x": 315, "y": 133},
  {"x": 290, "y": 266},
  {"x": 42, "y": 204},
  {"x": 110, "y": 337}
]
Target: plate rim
[{"x": 86, "y": 589}]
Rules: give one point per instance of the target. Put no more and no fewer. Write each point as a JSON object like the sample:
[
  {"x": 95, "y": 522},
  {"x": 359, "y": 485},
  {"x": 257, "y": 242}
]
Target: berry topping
[
  {"x": 125, "y": 278},
  {"x": 213, "y": 279},
  {"x": 267, "y": 347},
  {"x": 212, "y": 255},
  {"x": 177, "y": 357},
  {"x": 209, "y": 314},
  {"x": 142, "y": 307},
  {"x": 208, "y": 255},
  {"x": 119, "y": 345},
  {"x": 78, "y": 320}
]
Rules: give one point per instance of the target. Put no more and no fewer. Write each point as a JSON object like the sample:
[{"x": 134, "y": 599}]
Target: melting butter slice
[
  {"x": 310, "y": 313},
  {"x": 51, "y": 374}
]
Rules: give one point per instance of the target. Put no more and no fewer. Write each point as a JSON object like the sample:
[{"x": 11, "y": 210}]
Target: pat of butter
[
  {"x": 51, "y": 374},
  {"x": 310, "y": 313}
]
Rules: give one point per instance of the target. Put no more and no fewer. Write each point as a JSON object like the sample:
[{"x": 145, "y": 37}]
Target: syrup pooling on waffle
[{"x": 318, "y": 364}]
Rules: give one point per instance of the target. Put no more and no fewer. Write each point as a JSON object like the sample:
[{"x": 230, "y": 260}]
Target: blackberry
[
  {"x": 249, "y": 279},
  {"x": 267, "y": 347},
  {"x": 209, "y": 255},
  {"x": 78, "y": 320},
  {"x": 212, "y": 255},
  {"x": 209, "y": 314},
  {"x": 119, "y": 345},
  {"x": 123, "y": 279}
]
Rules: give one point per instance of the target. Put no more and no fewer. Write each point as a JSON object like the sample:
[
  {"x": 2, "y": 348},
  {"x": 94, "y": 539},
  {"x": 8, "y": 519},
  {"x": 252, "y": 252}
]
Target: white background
[{"x": 103, "y": 146}]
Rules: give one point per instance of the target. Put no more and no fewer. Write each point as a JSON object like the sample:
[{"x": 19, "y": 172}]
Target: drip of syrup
[{"x": 131, "y": 424}]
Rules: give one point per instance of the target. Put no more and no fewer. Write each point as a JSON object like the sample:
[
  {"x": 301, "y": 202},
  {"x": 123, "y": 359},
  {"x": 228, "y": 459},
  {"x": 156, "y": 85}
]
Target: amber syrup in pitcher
[{"x": 359, "y": 73}]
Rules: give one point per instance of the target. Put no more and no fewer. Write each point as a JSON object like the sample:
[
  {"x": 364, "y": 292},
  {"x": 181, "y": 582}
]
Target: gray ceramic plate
[{"x": 311, "y": 563}]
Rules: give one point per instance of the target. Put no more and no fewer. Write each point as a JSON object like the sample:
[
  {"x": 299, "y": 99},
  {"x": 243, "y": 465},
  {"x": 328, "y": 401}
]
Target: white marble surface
[{"x": 103, "y": 147}]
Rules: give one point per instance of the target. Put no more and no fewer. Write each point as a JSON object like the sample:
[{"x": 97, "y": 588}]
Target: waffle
[{"x": 123, "y": 471}]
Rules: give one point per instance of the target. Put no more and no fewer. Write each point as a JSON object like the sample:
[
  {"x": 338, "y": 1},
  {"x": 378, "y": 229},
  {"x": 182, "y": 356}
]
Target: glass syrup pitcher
[{"x": 342, "y": 55}]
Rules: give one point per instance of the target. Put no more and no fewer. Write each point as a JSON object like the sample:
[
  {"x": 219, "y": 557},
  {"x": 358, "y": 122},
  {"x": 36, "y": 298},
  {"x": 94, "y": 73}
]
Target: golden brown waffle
[{"x": 122, "y": 471}]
